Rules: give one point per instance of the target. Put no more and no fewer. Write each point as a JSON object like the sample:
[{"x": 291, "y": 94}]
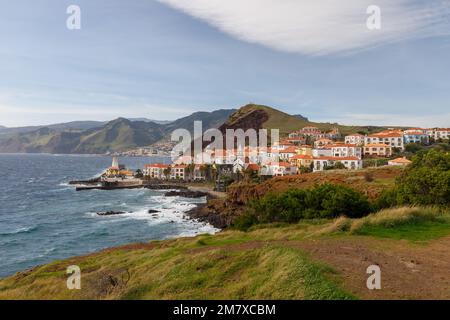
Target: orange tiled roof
[
  {"x": 355, "y": 135},
  {"x": 302, "y": 156},
  {"x": 156, "y": 165},
  {"x": 377, "y": 145},
  {"x": 289, "y": 150},
  {"x": 336, "y": 158},
  {"x": 348, "y": 145},
  {"x": 401, "y": 160},
  {"x": 387, "y": 134}
]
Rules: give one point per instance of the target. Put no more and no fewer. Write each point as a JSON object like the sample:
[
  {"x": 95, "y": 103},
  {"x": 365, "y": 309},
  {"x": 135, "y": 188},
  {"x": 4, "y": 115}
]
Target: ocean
[{"x": 42, "y": 218}]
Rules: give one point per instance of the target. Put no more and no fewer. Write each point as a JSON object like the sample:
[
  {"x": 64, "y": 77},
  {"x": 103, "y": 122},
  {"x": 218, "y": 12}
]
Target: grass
[
  {"x": 263, "y": 263},
  {"x": 200, "y": 268},
  {"x": 409, "y": 223}
]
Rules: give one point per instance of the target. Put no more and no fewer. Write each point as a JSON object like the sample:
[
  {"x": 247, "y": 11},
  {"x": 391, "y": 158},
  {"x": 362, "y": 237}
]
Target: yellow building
[
  {"x": 301, "y": 160},
  {"x": 304, "y": 150}
]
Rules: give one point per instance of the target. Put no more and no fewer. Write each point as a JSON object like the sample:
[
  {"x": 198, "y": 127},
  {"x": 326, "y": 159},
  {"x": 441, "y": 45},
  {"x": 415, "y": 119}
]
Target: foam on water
[{"x": 43, "y": 219}]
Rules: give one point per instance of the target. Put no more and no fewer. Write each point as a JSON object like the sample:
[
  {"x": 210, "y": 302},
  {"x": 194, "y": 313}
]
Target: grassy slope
[
  {"x": 288, "y": 123},
  {"x": 261, "y": 264}
]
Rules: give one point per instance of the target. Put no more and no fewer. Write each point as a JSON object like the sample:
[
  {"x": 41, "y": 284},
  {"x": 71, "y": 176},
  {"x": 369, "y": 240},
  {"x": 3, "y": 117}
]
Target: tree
[
  {"x": 189, "y": 171},
  {"x": 336, "y": 166},
  {"x": 167, "y": 172},
  {"x": 413, "y": 147},
  {"x": 138, "y": 174},
  {"x": 426, "y": 181},
  {"x": 305, "y": 169}
]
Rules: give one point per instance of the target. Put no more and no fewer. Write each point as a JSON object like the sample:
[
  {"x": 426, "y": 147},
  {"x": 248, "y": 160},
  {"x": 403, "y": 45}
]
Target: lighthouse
[{"x": 115, "y": 163}]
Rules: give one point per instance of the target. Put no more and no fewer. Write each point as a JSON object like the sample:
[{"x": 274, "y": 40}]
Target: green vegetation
[
  {"x": 287, "y": 123},
  {"x": 266, "y": 262},
  {"x": 322, "y": 201},
  {"x": 410, "y": 223},
  {"x": 426, "y": 181},
  {"x": 226, "y": 266}
]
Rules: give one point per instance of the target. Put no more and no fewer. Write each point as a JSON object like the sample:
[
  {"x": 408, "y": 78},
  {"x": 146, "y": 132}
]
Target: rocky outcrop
[
  {"x": 186, "y": 194},
  {"x": 164, "y": 186},
  {"x": 110, "y": 213}
]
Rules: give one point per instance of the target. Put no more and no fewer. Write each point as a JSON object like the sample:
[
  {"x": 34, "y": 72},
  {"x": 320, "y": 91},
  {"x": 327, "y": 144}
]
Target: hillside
[
  {"x": 124, "y": 134},
  {"x": 223, "y": 212},
  {"x": 264, "y": 117},
  {"x": 97, "y": 138},
  {"x": 310, "y": 260}
]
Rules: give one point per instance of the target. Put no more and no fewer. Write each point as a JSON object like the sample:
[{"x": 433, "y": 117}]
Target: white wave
[
  {"x": 20, "y": 230},
  {"x": 169, "y": 210}
]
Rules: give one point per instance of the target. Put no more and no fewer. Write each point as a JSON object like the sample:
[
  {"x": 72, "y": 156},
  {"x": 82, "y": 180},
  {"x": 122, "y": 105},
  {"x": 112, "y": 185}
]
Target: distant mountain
[
  {"x": 92, "y": 137},
  {"x": 150, "y": 120},
  {"x": 74, "y": 125}
]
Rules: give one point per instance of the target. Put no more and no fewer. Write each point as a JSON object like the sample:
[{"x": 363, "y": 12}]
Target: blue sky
[{"x": 166, "y": 59}]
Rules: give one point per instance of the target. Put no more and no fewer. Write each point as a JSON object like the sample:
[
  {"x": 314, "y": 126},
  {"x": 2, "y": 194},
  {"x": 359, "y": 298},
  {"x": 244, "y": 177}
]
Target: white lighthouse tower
[{"x": 115, "y": 163}]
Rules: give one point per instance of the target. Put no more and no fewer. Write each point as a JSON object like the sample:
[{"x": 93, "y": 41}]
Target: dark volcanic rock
[
  {"x": 110, "y": 213},
  {"x": 186, "y": 194},
  {"x": 155, "y": 186},
  {"x": 206, "y": 214},
  {"x": 153, "y": 211}
]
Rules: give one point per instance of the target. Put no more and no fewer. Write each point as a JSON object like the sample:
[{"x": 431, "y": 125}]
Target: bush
[
  {"x": 323, "y": 201},
  {"x": 368, "y": 176},
  {"x": 426, "y": 181}
]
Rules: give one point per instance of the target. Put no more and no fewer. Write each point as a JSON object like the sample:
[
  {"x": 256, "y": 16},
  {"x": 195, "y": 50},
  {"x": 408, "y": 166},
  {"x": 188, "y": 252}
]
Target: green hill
[{"x": 264, "y": 117}]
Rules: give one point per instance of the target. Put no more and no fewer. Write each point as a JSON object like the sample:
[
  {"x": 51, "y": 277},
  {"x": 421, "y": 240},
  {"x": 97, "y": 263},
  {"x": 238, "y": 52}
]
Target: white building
[
  {"x": 357, "y": 139},
  {"x": 442, "y": 133},
  {"x": 279, "y": 169},
  {"x": 322, "y": 152},
  {"x": 287, "y": 153},
  {"x": 178, "y": 172},
  {"x": 378, "y": 149},
  {"x": 351, "y": 163},
  {"x": 415, "y": 137},
  {"x": 155, "y": 171},
  {"x": 346, "y": 150},
  {"x": 322, "y": 142},
  {"x": 394, "y": 138}
]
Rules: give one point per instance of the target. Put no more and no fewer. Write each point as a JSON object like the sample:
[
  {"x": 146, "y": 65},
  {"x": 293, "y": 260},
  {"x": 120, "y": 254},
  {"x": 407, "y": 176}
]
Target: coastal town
[{"x": 307, "y": 150}]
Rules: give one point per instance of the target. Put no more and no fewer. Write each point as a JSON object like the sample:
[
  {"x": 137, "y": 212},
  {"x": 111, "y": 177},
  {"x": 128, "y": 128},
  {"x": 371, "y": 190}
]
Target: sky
[{"x": 165, "y": 59}]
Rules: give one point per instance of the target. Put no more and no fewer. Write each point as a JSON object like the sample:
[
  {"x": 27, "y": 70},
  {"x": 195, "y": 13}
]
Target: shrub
[
  {"x": 322, "y": 201},
  {"x": 426, "y": 181},
  {"x": 368, "y": 176}
]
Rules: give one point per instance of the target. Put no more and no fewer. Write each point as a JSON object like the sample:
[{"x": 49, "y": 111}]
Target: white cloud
[{"x": 318, "y": 27}]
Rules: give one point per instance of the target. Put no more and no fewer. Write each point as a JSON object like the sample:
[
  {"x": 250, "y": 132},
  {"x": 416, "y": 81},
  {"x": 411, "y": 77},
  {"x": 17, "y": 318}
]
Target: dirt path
[{"x": 408, "y": 271}]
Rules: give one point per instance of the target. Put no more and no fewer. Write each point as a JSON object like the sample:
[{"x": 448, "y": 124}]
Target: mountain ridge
[{"x": 120, "y": 134}]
